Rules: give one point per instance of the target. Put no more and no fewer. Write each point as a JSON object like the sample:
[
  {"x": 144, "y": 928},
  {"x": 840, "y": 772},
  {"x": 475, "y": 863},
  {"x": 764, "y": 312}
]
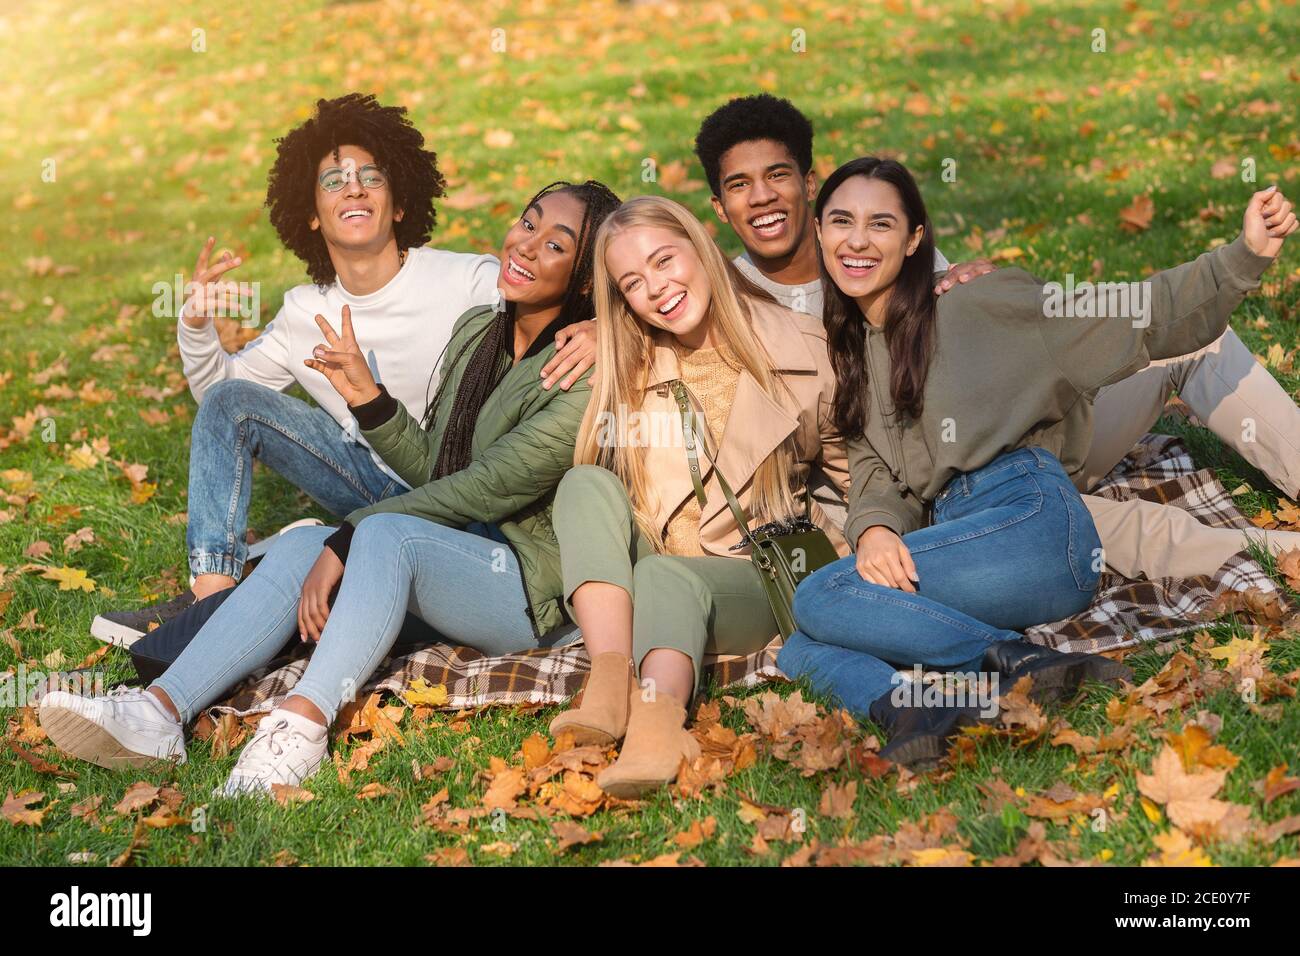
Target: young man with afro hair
[{"x": 351, "y": 194}]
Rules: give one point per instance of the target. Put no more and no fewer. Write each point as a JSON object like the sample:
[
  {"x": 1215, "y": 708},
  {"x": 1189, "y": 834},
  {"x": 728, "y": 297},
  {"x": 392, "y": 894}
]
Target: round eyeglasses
[{"x": 335, "y": 178}]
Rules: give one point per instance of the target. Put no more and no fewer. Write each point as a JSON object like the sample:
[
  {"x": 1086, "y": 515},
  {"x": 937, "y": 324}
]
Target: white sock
[{"x": 304, "y": 725}]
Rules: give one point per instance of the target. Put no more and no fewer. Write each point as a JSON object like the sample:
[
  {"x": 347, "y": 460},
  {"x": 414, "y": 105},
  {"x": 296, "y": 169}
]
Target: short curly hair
[
  {"x": 384, "y": 131},
  {"x": 748, "y": 118}
]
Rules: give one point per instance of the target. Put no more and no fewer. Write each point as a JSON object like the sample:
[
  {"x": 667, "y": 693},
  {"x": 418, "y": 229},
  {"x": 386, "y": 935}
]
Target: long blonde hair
[{"x": 625, "y": 352}]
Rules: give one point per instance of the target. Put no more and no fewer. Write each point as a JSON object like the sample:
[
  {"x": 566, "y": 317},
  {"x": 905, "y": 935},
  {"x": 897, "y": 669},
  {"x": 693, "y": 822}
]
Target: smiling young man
[
  {"x": 350, "y": 194},
  {"x": 757, "y": 155}
]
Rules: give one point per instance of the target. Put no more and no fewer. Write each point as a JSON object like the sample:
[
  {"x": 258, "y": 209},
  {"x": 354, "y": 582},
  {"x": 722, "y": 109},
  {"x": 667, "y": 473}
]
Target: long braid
[
  {"x": 490, "y": 361},
  {"x": 483, "y": 372}
]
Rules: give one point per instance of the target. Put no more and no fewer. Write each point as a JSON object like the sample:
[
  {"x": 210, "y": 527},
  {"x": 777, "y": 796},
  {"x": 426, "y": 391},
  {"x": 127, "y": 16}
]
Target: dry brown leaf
[
  {"x": 1176, "y": 849},
  {"x": 1189, "y": 798},
  {"x": 1284, "y": 827},
  {"x": 165, "y": 817},
  {"x": 571, "y": 834},
  {"x": 1137, "y": 217},
  {"x": 536, "y": 751},
  {"x": 1196, "y": 748},
  {"x": 18, "y": 809},
  {"x": 774, "y": 717},
  {"x": 449, "y": 856},
  {"x": 696, "y": 833},
  {"x": 39, "y": 764},
  {"x": 505, "y": 788},
  {"x": 286, "y": 794},
  {"x": 87, "y": 809},
  {"x": 139, "y": 796},
  {"x": 837, "y": 800},
  {"x": 1276, "y": 784}
]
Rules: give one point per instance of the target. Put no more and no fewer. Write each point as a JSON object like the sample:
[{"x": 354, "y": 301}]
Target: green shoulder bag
[{"x": 783, "y": 552}]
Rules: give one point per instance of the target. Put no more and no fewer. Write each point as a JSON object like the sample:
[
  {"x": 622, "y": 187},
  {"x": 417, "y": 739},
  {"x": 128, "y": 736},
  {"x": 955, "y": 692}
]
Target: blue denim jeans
[
  {"x": 1011, "y": 545},
  {"x": 238, "y": 421},
  {"x": 466, "y": 586}
]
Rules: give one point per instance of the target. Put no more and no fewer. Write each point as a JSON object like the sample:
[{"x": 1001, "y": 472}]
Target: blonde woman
[{"x": 649, "y": 573}]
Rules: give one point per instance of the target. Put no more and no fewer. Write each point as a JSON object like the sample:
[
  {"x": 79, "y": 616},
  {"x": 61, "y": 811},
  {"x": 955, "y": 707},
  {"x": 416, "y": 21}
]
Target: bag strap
[{"x": 694, "y": 436}]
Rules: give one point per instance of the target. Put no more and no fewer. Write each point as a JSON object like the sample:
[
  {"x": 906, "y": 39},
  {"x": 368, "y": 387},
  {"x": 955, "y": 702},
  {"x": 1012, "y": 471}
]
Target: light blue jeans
[
  {"x": 1012, "y": 545},
  {"x": 466, "y": 586},
  {"x": 238, "y": 421}
]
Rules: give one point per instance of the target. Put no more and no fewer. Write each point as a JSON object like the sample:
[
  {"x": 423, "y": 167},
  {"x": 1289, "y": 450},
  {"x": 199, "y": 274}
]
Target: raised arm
[
  {"x": 265, "y": 360},
  {"x": 1172, "y": 313}
]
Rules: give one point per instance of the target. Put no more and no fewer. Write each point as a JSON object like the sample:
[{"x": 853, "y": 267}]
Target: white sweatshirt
[{"x": 401, "y": 328}]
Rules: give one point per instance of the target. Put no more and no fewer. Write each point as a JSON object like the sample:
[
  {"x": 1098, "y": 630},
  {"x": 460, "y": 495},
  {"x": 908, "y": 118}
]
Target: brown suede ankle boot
[
  {"x": 655, "y": 745},
  {"x": 602, "y": 717}
]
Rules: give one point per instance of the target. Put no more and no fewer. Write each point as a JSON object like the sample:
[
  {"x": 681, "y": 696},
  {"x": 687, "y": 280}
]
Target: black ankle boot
[
  {"x": 919, "y": 735},
  {"x": 1055, "y": 675}
]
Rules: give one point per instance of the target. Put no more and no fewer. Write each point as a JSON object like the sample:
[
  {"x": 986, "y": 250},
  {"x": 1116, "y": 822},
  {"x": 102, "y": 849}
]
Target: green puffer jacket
[{"x": 522, "y": 446}]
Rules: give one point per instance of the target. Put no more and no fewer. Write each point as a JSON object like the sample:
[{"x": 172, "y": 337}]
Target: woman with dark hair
[
  {"x": 967, "y": 418},
  {"x": 470, "y": 550}
]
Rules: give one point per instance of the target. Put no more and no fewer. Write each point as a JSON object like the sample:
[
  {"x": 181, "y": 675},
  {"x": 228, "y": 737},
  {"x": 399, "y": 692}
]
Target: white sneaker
[
  {"x": 286, "y": 749},
  {"x": 125, "y": 728}
]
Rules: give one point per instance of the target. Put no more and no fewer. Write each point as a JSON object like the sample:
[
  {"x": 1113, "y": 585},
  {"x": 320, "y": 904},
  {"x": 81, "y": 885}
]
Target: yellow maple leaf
[
  {"x": 1177, "y": 849},
  {"x": 420, "y": 691},
  {"x": 17, "y": 480},
  {"x": 143, "y": 492},
  {"x": 941, "y": 856},
  {"x": 1232, "y": 651},
  {"x": 70, "y": 579},
  {"x": 83, "y": 457},
  {"x": 1151, "y": 810}
]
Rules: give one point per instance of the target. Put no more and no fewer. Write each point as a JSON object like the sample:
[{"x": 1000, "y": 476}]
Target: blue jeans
[
  {"x": 238, "y": 421},
  {"x": 1012, "y": 545},
  {"x": 466, "y": 586}
]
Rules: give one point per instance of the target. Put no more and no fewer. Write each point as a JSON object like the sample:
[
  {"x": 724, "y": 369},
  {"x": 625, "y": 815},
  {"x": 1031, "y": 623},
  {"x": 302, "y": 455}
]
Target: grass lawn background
[{"x": 156, "y": 146}]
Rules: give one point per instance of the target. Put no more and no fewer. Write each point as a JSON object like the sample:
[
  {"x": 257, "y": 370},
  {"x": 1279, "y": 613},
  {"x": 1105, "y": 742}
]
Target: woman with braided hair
[{"x": 470, "y": 550}]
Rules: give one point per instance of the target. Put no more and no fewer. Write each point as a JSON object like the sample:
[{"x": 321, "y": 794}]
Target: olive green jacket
[
  {"x": 1018, "y": 362},
  {"x": 523, "y": 444}
]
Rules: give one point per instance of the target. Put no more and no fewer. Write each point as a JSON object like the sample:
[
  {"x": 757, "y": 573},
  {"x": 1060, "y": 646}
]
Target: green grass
[{"x": 157, "y": 147}]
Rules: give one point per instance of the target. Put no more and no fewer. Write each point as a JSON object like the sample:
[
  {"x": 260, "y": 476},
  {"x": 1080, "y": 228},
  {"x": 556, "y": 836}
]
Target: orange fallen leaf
[{"x": 1137, "y": 217}]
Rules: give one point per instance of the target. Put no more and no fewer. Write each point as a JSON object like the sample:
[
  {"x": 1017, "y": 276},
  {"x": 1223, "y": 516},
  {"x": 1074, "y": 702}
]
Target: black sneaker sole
[
  {"x": 921, "y": 751},
  {"x": 918, "y": 754},
  {"x": 1056, "y": 680},
  {"x": 111, "y": 632}
]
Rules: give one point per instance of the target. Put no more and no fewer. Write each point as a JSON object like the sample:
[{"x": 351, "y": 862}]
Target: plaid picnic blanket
[{"x": 1124, "y": 613}]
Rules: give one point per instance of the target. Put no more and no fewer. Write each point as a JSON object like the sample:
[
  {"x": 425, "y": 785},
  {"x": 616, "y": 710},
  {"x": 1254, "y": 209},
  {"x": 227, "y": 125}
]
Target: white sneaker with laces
[
  {"x": 125, "y": 728},
  {"x": 287, "y": 748}
]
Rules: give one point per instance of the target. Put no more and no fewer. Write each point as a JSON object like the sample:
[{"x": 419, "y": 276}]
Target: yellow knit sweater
[{"x": 711, "y": 375}]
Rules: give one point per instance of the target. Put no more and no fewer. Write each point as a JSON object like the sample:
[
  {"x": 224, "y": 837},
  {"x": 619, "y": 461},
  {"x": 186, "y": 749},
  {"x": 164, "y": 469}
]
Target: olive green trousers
[{"x": 695, "y": 605}]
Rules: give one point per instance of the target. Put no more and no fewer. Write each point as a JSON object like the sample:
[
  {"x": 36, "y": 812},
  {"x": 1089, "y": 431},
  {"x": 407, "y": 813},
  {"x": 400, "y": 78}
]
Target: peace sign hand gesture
[
  {"x": 343, "y": 364},
  {"x": 208, "y": 297}
]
